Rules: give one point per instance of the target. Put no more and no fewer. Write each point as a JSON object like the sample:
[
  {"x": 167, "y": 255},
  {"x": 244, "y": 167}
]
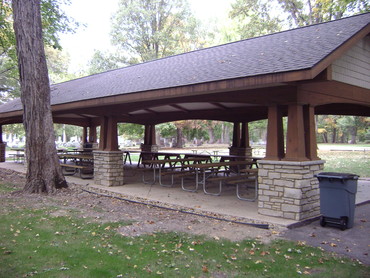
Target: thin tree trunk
[
  {"x": 44, "y": 173},
  {"x": 180, "y": 138}
]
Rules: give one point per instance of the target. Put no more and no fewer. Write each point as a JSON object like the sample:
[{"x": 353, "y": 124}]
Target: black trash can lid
[{"x": 333, "y": 175}]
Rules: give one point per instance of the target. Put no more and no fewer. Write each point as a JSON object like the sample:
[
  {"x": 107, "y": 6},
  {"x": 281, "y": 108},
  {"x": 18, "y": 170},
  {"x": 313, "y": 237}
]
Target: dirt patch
[{"x": 144, "y": 219}]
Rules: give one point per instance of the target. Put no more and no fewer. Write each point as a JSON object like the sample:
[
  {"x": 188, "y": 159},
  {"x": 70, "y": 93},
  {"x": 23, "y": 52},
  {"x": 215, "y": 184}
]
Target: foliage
[
  {"x": 131, "y": 131},
  {"x": 259, "y": 17},
  {"x": 254, "y": 18},
  {"x": 54, "y": 22},
  {"x": 104, "y": 61},
  {"x": 301, "y": 13},
  {"x": 167, "y": 130},
  {"x": 343, "y": 129},
  {"x": 78, "y": 247},
  {"x": 148, "y": 30}
]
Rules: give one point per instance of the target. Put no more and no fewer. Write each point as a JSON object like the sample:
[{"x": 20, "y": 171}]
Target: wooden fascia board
[{"x": 336, "y": 54}]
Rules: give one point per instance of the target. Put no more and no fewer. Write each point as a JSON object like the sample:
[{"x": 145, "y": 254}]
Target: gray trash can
[{"x": 337, "y": 199}]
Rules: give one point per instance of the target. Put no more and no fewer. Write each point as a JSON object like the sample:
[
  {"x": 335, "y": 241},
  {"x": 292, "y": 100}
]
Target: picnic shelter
[{"x": 299, "y": 73}]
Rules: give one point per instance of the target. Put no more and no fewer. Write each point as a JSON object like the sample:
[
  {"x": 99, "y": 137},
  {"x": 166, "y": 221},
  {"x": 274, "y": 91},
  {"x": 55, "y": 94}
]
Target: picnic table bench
[{"x": 244, "y": 177}]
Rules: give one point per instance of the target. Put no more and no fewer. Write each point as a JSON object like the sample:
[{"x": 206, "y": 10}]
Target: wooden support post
[
  {"x": 1, "y": 134},
  {"x": 310, "y": 132},
  {"x": 103, "y": 127},
  {"x": 112, "y": 135},
  {"x": 152, "y": 138},
  {"x": 92, "y": 134},
  {"x": 275, "y": 134},
  {"x": 147, "y": 135},
  {"x": 109, "y": 134},
  {"x": 244, "y": 142},
  {"x": 236, "y": 135},
  {"x": 84, "y": 135},
  {"x": 296, "y": 143}
]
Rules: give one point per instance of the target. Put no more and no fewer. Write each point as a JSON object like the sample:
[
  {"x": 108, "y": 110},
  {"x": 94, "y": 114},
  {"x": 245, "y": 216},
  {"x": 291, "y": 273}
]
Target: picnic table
[
  {"x": 204, "y": 172},
  {"x": 149, "y": 156},
  {"x": 81, "y": 163},
  {"x": 175, "y": 167},
  {"x": 18, "y": 156}
]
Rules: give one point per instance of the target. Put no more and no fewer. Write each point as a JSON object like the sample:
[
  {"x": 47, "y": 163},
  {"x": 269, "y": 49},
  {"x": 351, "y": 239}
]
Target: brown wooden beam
[
  {"x": 112, "y": 135},
  {"x": 92, "y": 134},
  {"x": 244, "y": 141},
  {"x": 275, "y": 134},
  {"x": 295, "y": 142},
  {"x": 84, "y": 135},
  {"x": 236, "y": 135},
  {"x": 180, "y": 108},
  {"x": 310, "y": 132}
]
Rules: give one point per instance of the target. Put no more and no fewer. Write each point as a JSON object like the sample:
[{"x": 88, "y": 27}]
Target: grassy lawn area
[
  {"x": 43, "y": 243},
  {"x": 354, "y": 162}
]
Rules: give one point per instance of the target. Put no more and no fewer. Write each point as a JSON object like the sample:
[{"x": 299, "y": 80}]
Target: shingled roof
[{"x": 293, "y": 50}]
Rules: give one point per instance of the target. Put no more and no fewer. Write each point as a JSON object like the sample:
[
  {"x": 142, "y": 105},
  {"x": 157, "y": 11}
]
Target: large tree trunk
[{"x": 44, "y": 173}]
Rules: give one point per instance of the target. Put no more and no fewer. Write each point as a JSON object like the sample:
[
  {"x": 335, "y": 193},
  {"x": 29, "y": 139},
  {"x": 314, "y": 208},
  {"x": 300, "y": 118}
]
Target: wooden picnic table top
[
  {"x": 220, "y": 164},
  {"x": 17, "y": 149},
  {"x": 80, "y": 156},
  {"x": 164, "y": 161}
]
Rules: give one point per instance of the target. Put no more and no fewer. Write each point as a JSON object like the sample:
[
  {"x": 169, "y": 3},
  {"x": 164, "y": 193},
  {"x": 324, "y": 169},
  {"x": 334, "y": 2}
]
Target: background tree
[
  {"x": 146, "y": 30},
  {"x": 302, "y": 12},
  {"x": 104, "y": 61},
  {"x": 54, "y": 21},
  {"x": 44, "y": 173},
  {"x": 254, "y": 18}
]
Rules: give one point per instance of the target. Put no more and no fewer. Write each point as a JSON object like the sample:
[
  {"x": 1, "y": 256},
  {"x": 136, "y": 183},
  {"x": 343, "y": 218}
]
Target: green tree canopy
[
  {"x": 147, "y": 30},
  {"x": 54, "y": 22}
]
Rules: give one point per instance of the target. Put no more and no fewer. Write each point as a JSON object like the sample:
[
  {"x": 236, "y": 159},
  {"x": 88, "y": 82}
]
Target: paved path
[{"x": 353, "y": 243}]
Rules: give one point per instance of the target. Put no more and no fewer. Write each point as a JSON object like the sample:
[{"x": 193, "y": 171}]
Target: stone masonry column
[
  {"x": 108, "y": 168},
  {"x": 2, "y": 151},
  {"x": 288, "y": 189},
  {"x": 108, "y": 160}
]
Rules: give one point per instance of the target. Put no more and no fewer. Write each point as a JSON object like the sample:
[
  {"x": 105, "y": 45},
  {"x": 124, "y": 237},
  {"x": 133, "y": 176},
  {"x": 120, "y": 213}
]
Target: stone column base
[
  {"x": 108, "y": 168},
  {"x": 149, "y": 148},
  {"x": 2, "y": 151},
  {"x": 240, "y": 151},
  {"x": 288, "y": 189}
]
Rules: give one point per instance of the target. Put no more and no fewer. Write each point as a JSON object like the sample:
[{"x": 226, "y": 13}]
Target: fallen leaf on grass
[{"x": 205, "y": 269}]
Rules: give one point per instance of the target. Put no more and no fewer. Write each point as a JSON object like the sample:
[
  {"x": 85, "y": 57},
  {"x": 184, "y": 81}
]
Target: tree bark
[
  {"x": 180, "y": 139},
  {"x": 44, "y": 173}
]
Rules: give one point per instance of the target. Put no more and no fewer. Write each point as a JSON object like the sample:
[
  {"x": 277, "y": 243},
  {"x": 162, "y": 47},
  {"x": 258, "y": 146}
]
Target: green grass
[
  {"x": 33, "y": 242},
  {"x": 354, "y": 162},
  {"x": 8, "y": 187}
]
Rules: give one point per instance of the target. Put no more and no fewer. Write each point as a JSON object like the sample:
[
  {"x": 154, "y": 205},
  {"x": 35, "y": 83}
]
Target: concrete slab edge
[{"x": 181, "y": 209}]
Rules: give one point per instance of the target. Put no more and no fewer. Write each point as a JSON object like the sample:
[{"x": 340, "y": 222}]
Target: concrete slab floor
[{"x": 226, "y": 206}]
